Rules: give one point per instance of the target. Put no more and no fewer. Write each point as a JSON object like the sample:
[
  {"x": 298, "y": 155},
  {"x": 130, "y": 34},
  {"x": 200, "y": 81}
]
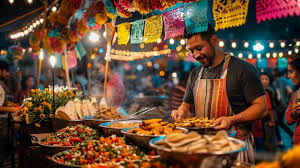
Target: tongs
[{"x": 141, "y": 112}]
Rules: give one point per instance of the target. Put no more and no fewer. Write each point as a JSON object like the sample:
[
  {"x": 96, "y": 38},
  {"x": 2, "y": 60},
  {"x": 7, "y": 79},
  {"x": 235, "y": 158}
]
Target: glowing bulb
[
  {"x": 271, "y": 45},
  {"x": 250, "y": 56},
  {"x": 172, "y": 41},
  {"x": 174, "y": 74},
  {"x": 41, "y": 20},
  {"x": 282, "y": 44},
  {"x": 258, "y": 55},
  {"x": 296, "y": 50},
  {"x": 233, "y": 44},
  {"x": 221, "y": 43},
  {"x": 29, "y": 1},
  {"x": 22, "y": 34},
  {"x": 298, "y": 43},
  {"x": 240, "y": 55},
  {"x": 29, "y": 49},
  {"x": 182, "y": 42},
  {"x": 52, "y": 60},
  {"x": 290, "y": 52},
  {"x": 11, "y": 1},
  {"x": 104, "y": 34},
  {"x": 268, "y": 55},
  {"x": 246, "y": 44},
  {"x": 93, "y": 56},
  {"x": 26, "y": 32},
  {"x": 41, "y": 55},
  {"x": 94, "y": 37},
  {"x": 37, "y": 22},
  {"x": 162, "y": 73},
  {"x": 23, "y": 50},
  {"x": 274, "y": 54},
  {"x": 54, "y": 9},
  {"x": 281, "y": 54},
  {"x": 159, "y": 40},
  {"x": 231, "y": 54},
  {"x": 258, "y": 47},
  {"x": 149, "y": 64},
  {"x": 34, "y": 25}
]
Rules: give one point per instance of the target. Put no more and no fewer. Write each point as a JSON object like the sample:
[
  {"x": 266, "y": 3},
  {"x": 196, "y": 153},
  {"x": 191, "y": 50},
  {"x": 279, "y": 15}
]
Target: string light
[
  {"x": 258, "y": 47},
  {"x": 52, "y": 60},
  {"x": 182, "y": 42},
  {"x": 258, "y": 55},
  {"x": 221, "y": 44},
  {"x": 298, "y": 43},
  {"x": 104, "y": 34},
  {"x": 174, "y": 74},
  {"x": 93, "y": 36},
  {"x": 41, "y": 55},
  {"x": 162, "y": 73},
  {"x": 26, "y": 32},
  {"x": 159, "y": 40},
  {"x": 282, "y": 44},
  {"x": 274, "y": 54},
  {"x": 231, "y": 54},
  {"x": 271, "y": 45},
  {"x": 290, "y": 52},
  {"x": 54, "y": 9},
  {"x": 34, "y": 25},
  {"x": 41, "y": 20},
  {"x": 149, "y": 64},
  {"x": 296, "y": 50},
  {"x": 250, "y": 56},
  {"x": 37, "y": 22},
  {"x": 29, "y": 1},
  {"x": 171, "y": 41},
  {"x": 268, "y": 55},
  {"x": 281, "y": 54},
  {"x": 246, "y": 44},
  {"x": 11, "y": 1},
  {"x": 240, "y": 55},
  {"x": 233, "y": 44}
]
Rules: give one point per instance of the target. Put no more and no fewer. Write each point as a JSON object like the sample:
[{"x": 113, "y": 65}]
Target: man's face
[
  {"x": 4, "y": 74},
  {"x": 202, "y": 50}
]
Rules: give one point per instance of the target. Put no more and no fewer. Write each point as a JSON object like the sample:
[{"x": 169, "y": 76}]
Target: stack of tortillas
[{"x": 76, "y": 110}]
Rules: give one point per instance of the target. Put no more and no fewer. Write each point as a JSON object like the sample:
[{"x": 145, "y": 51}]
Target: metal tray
[
  {"x": 117, "y": 131},
  {"x": 50, "y": 149},
  {"x": 199, "y": 160},
  {"x": 59, "y": 123},
  {"x": 143, "y": 140}
]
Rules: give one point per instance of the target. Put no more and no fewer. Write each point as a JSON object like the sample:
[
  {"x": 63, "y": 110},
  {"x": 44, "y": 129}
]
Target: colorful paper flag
[
  {"x": 229, "y": 13},
  {"x": 195, "y": 14},
  {"x": 79, "y": 49},
  {"x": 58, "y": 60},
  {"x": 267, "y": 10},
  {"x": 282, "y": 63},
  {"x": 137, "y": 31},
  {"x": 262, "y": 63},
  {"x": 123, "y": 33},
  {"x": 174, "y": 23},
  {"x": 272, "y": 62},
  {"x": 253, "y": 61},
  {"x": 153, "y": 29}
]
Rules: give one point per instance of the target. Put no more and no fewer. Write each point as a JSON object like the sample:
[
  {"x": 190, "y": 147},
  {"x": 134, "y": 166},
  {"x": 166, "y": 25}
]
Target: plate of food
[
  {"x": 67, "y": 138},
  {"x": 108, "y": 151},
  {"x": 103, "y": 115},
  {"x": 198, "y": 150},
  {"x": 150, "y": 129},
  {"x": 115, "y": 127}
]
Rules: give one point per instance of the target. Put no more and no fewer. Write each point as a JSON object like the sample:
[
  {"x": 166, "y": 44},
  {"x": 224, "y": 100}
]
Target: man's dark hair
[
  {"x": 205, "y": 35},
  {"x": 296, "y": 64},
  {"x": 4, "y": 66}
]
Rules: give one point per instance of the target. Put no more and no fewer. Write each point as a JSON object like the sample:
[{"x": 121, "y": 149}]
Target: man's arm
[
  {"x": 257, "y": 110},
  {"x": 182, "y": 112},
  {"x": 8, "y": 109}
]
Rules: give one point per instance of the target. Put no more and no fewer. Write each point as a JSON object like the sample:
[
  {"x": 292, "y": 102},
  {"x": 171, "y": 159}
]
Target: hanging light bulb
[
  {"x": 41, "y": 55},
  {"x": 290, "y": 52},
  {"x": 54, "y": 9},
  {"x": 281, "y": 54},
  {"x": 268, "y": 55},
  {"x": 174, "y": 74},
  {"x": 246, "y": 44},
  {"x": 41, "y": 20},
  {"x": 298, "y": 43},
  {"x": 250, "y": 56},
  {"x": 271, "y": 45},
  {"x": 182, "y": 42},
  {"x": 231, "y": 54},
  {"x": 34, "y": 25},
  {"x": 258, "y": 55},
  {"x": 274, "y": 54},
  {"x": 11, "y": 1},
  {"x": 282, "y": 44},
  {"x": 93, "y": 36},
  {"x": 233, "y": 44},
  {"x": 37, "y": 22},
  {"x": 104, "y": 34},
  {"x": 26, "y": 32},
  {"x": 29, "y": 1},
  {"x": 240, "y": 55},
  {"x": 296, "y": 50},
  {"x": 221, "y": 44},
  {"x": 171, "y": 41},
  {"x": 22, "y": 34},
  {"x": 52, "y": 60},
  {"x": 159, "y": 40}
]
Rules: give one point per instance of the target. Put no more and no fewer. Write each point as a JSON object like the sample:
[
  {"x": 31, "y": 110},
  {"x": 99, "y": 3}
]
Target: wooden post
[
  {"x": 66, "y": 63},
  {"x": 108, "y": 48},
  {"x": 41, "y": 42}
]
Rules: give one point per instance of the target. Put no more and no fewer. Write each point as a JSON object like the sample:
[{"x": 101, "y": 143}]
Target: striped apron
[{"x": 211, "y": 101}]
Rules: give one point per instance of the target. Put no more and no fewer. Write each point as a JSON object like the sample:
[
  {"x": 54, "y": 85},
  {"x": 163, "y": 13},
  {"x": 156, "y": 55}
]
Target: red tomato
[{"x": 69, "y": 156}]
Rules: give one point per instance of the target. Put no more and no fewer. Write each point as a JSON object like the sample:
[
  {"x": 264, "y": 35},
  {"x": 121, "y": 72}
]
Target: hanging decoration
[
  {"x": 195, "y": 16},
  {"x": 71, "y": 59},
  {"x": 130, "y": 56},
  {"x": 142, "y": 6},
  {"x": 282, "y": 63},
  {"x": 123, "y": 33},
  {"x": 58, "y": 60},
  {"x": 156, "y": 4},
  {"x": 137, "y": 31},
  {"x": 252, "y": 61},
  {"x": 168, "y": 3},
  {"x": 127, "y": 5},
  {"x": 262, "y": 63},
  {"x": 153, "y": 29},
  {"x": 267, "y": 10},
  {"x": 272, "y": 62},
  {"x": 121, "y": 11},
  {"x": 229, "y": 13},
  {"x": 79, "y": 49},
  {"x": 174, "y": 23},
  {"x": 111, "y": 10},
  {"x": 75, "y": 5}
]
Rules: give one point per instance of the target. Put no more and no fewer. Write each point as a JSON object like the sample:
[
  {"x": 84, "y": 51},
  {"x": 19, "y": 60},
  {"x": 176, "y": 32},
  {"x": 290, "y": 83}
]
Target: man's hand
[
  {"x": 222, "y": 123},
  {"x": 296, "y": 109},
  {"x": 178, "y": 114}
]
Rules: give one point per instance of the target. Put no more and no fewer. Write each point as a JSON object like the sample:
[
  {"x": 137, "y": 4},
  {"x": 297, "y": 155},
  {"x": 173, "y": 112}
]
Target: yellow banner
[
  {"x": 123, "y": 33},
  {"x": 229, "y": 13},
  {"x": 153, "y": 29}
]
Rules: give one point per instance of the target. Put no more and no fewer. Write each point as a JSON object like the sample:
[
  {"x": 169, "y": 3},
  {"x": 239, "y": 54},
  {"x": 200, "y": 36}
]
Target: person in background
[
  {"x": 27, "y": 84},
  {"x": 283, "y": 92},
  {"x": 115, "y": 86},
  {"x": 293, "y": 112}
]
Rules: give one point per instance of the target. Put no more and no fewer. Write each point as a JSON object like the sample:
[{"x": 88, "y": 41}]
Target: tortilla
[
  {"x": 78, "y": 107},
  {"x": 70, "y": 110}
]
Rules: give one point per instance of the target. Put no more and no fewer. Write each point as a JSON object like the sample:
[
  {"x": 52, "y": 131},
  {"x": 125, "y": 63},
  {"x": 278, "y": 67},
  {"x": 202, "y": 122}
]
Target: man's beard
[{"x": 210, "y": 59}]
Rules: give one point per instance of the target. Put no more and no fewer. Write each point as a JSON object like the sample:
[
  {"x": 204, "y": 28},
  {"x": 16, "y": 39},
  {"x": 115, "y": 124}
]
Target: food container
[
  {"x": 198, "y": 160},
  {"x": 51, "y": 150},
  {"x": 209, "y": 131},
  {"x": 59, "y": 123},
  {"x": 117, "y": 131},
  {"x": 143, "y": 140}
]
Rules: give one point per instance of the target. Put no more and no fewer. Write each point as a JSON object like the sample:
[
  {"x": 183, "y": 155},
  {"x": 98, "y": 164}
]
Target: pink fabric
[
  {"x": 71, "y": 59},
  {"x": 174, "y": 23},
  {"x": 273, "y": 9},
  {"x": 115, "y": 81}
]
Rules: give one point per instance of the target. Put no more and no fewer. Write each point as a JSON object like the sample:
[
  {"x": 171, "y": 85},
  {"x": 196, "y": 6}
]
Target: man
[{"x": 225, "y": 88}]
